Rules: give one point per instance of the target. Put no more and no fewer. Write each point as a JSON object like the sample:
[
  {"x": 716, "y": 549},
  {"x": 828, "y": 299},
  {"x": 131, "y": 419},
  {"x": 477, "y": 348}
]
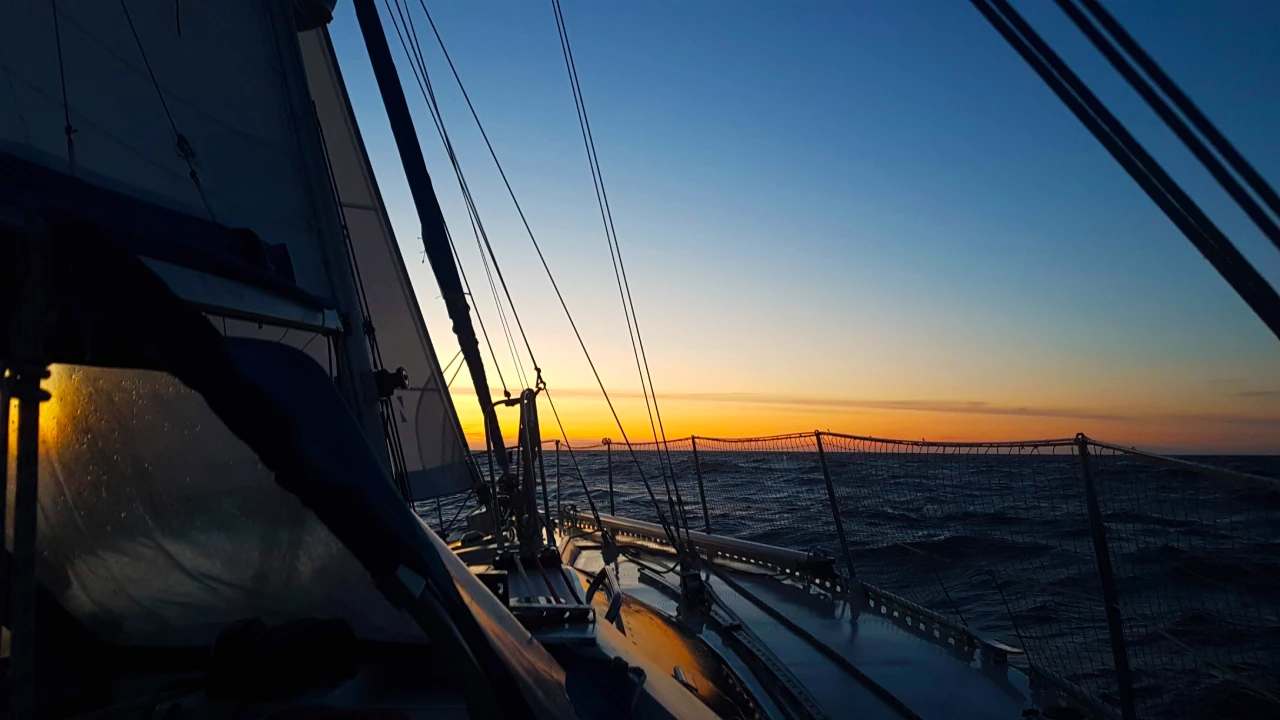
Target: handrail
[
  {"x": 1062, "y": 565},
  {"x": 1173, "y": 463},
  {"x": 1051, "y": 442}
]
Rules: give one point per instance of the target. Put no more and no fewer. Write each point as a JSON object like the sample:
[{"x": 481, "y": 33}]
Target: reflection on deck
[{"x": 847, "y": 659}]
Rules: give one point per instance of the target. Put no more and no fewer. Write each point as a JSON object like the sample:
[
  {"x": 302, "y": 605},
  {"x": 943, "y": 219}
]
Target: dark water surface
[{"x": 1002, "y": 543}]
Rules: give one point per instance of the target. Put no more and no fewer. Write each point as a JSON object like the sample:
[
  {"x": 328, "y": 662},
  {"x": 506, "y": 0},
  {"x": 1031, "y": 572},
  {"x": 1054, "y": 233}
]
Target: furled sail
[{"x": 435, "y": 452}]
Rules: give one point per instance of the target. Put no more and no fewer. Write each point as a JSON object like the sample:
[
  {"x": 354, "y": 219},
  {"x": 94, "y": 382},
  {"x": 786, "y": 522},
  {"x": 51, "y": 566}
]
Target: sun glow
[
  {"x": 587, "y": 420},
  {"x": 53, "y": 412}
]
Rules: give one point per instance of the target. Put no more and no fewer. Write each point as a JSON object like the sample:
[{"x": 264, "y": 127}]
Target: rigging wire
[
  {"x": 606, "y": 217},
  {"x": 455, "y": 375},
  {"x": 479, "y": 318},
  {"x": 13, "y": 91},
  {"x": 512, "y": 348},
  {"x": 67, "y": 128},
  {"x": 595, "y": 513},
  {"x": 449, "y": 364},
  {"x": 1176, "y": 123},
  {"x": 137, "y": 152},
  {"x": 483, "y": 330},
  {"x": 619, "y": 268},
  {"x": 559, "y": 295},
  {"x": 473, "y": 212},
  {"x": 462, "y": 505},
  {"x": 449, "y": 235},
  {"x": 1184, "y": 103},
  {"x": 187, "y": 152},
  {"x": 1152, "y": 178},
  {"x": 407, "y": 35},
  {"x": 386, "y": 411}
]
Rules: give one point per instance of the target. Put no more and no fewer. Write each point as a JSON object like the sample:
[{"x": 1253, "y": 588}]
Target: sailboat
[{"x": 223, "y": 404}]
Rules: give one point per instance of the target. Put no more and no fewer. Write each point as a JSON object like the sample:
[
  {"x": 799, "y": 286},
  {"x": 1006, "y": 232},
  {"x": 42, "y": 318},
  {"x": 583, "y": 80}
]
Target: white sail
[
  {"x": 158, "y": 525},
  {"x": 435, "y": 452},
  {"x": 160, "y": 95},
  {"x": 217, "y": 74}
]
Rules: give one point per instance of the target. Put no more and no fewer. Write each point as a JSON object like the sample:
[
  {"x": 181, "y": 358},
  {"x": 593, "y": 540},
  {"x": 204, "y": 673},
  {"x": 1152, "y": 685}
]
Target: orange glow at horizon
[{"x": 588, "y": 420}]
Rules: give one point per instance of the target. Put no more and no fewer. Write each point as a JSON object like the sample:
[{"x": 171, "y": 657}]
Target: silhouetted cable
[
  {"x": 1176, "y": 123},
  {"x": 577, "y": 470},
  {"x": 418, "y": 68},
  {"x": 187, "y": 152},
  {"x": 452, "y": 361},
  {"x": 550, "y": 276},
  {"x": 619, "y": 269},
  {"x": 477, "y": 225},
  {"x": 391, "y": 435},
  {"x": 67, "y": 128},
  {"x": 1175, "y": 203},
  {"x": 1184, "y": 103}
]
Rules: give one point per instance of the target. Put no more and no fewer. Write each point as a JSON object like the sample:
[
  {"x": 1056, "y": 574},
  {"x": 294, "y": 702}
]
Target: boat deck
[{"x": 863, "y": 663}]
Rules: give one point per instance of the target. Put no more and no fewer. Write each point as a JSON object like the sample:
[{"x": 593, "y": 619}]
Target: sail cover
[
  {"x": 435, "y": 451},
  {"x": 159, "y": 527}
]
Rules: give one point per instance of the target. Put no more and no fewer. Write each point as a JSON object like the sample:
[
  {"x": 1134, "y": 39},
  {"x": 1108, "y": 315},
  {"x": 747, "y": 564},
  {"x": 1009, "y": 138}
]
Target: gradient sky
[{"x": 869, "y": 217}]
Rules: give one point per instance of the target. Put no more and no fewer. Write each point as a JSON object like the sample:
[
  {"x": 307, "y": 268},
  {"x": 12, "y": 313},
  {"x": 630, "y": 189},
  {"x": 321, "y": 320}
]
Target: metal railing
[{"x": 1147, "y": 586}]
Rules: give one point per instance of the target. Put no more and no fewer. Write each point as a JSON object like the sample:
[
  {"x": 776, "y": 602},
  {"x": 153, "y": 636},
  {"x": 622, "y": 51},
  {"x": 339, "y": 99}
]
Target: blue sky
[{"x": 866, "y": 202}]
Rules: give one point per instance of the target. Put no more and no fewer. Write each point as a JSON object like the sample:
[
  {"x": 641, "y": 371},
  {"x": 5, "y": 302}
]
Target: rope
[
  {"x": 933, "y": 566},
  {"x": 655, "y": 568},
  {"x": 444, "y": 529},
  {"x": 559, "y": 295},
  {"x": 184, "y": 146},
  {"x": 619, "y": 268},
  {"x": 62, "y": 78}
]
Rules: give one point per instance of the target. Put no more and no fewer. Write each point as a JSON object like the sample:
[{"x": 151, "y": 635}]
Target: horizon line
[{"x": 960, "y": 407}]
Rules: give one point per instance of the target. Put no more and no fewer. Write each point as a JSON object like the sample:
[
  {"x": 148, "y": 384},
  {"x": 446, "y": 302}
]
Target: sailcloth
[
  {"x": 435, "y": 452},
  {"x": 151, "y": 99}
]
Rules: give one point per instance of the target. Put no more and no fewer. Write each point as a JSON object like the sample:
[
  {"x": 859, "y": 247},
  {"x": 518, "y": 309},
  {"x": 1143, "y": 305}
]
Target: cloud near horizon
[{"x": 964, "y": 407}]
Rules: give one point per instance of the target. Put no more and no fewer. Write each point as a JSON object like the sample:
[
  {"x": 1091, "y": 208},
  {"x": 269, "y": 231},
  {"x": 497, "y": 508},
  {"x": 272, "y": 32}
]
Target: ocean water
[{"x": 1003, "y": 544}]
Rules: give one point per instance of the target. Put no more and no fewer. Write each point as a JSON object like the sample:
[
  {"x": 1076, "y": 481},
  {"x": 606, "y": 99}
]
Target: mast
[{"x": 430, "y": 215}]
